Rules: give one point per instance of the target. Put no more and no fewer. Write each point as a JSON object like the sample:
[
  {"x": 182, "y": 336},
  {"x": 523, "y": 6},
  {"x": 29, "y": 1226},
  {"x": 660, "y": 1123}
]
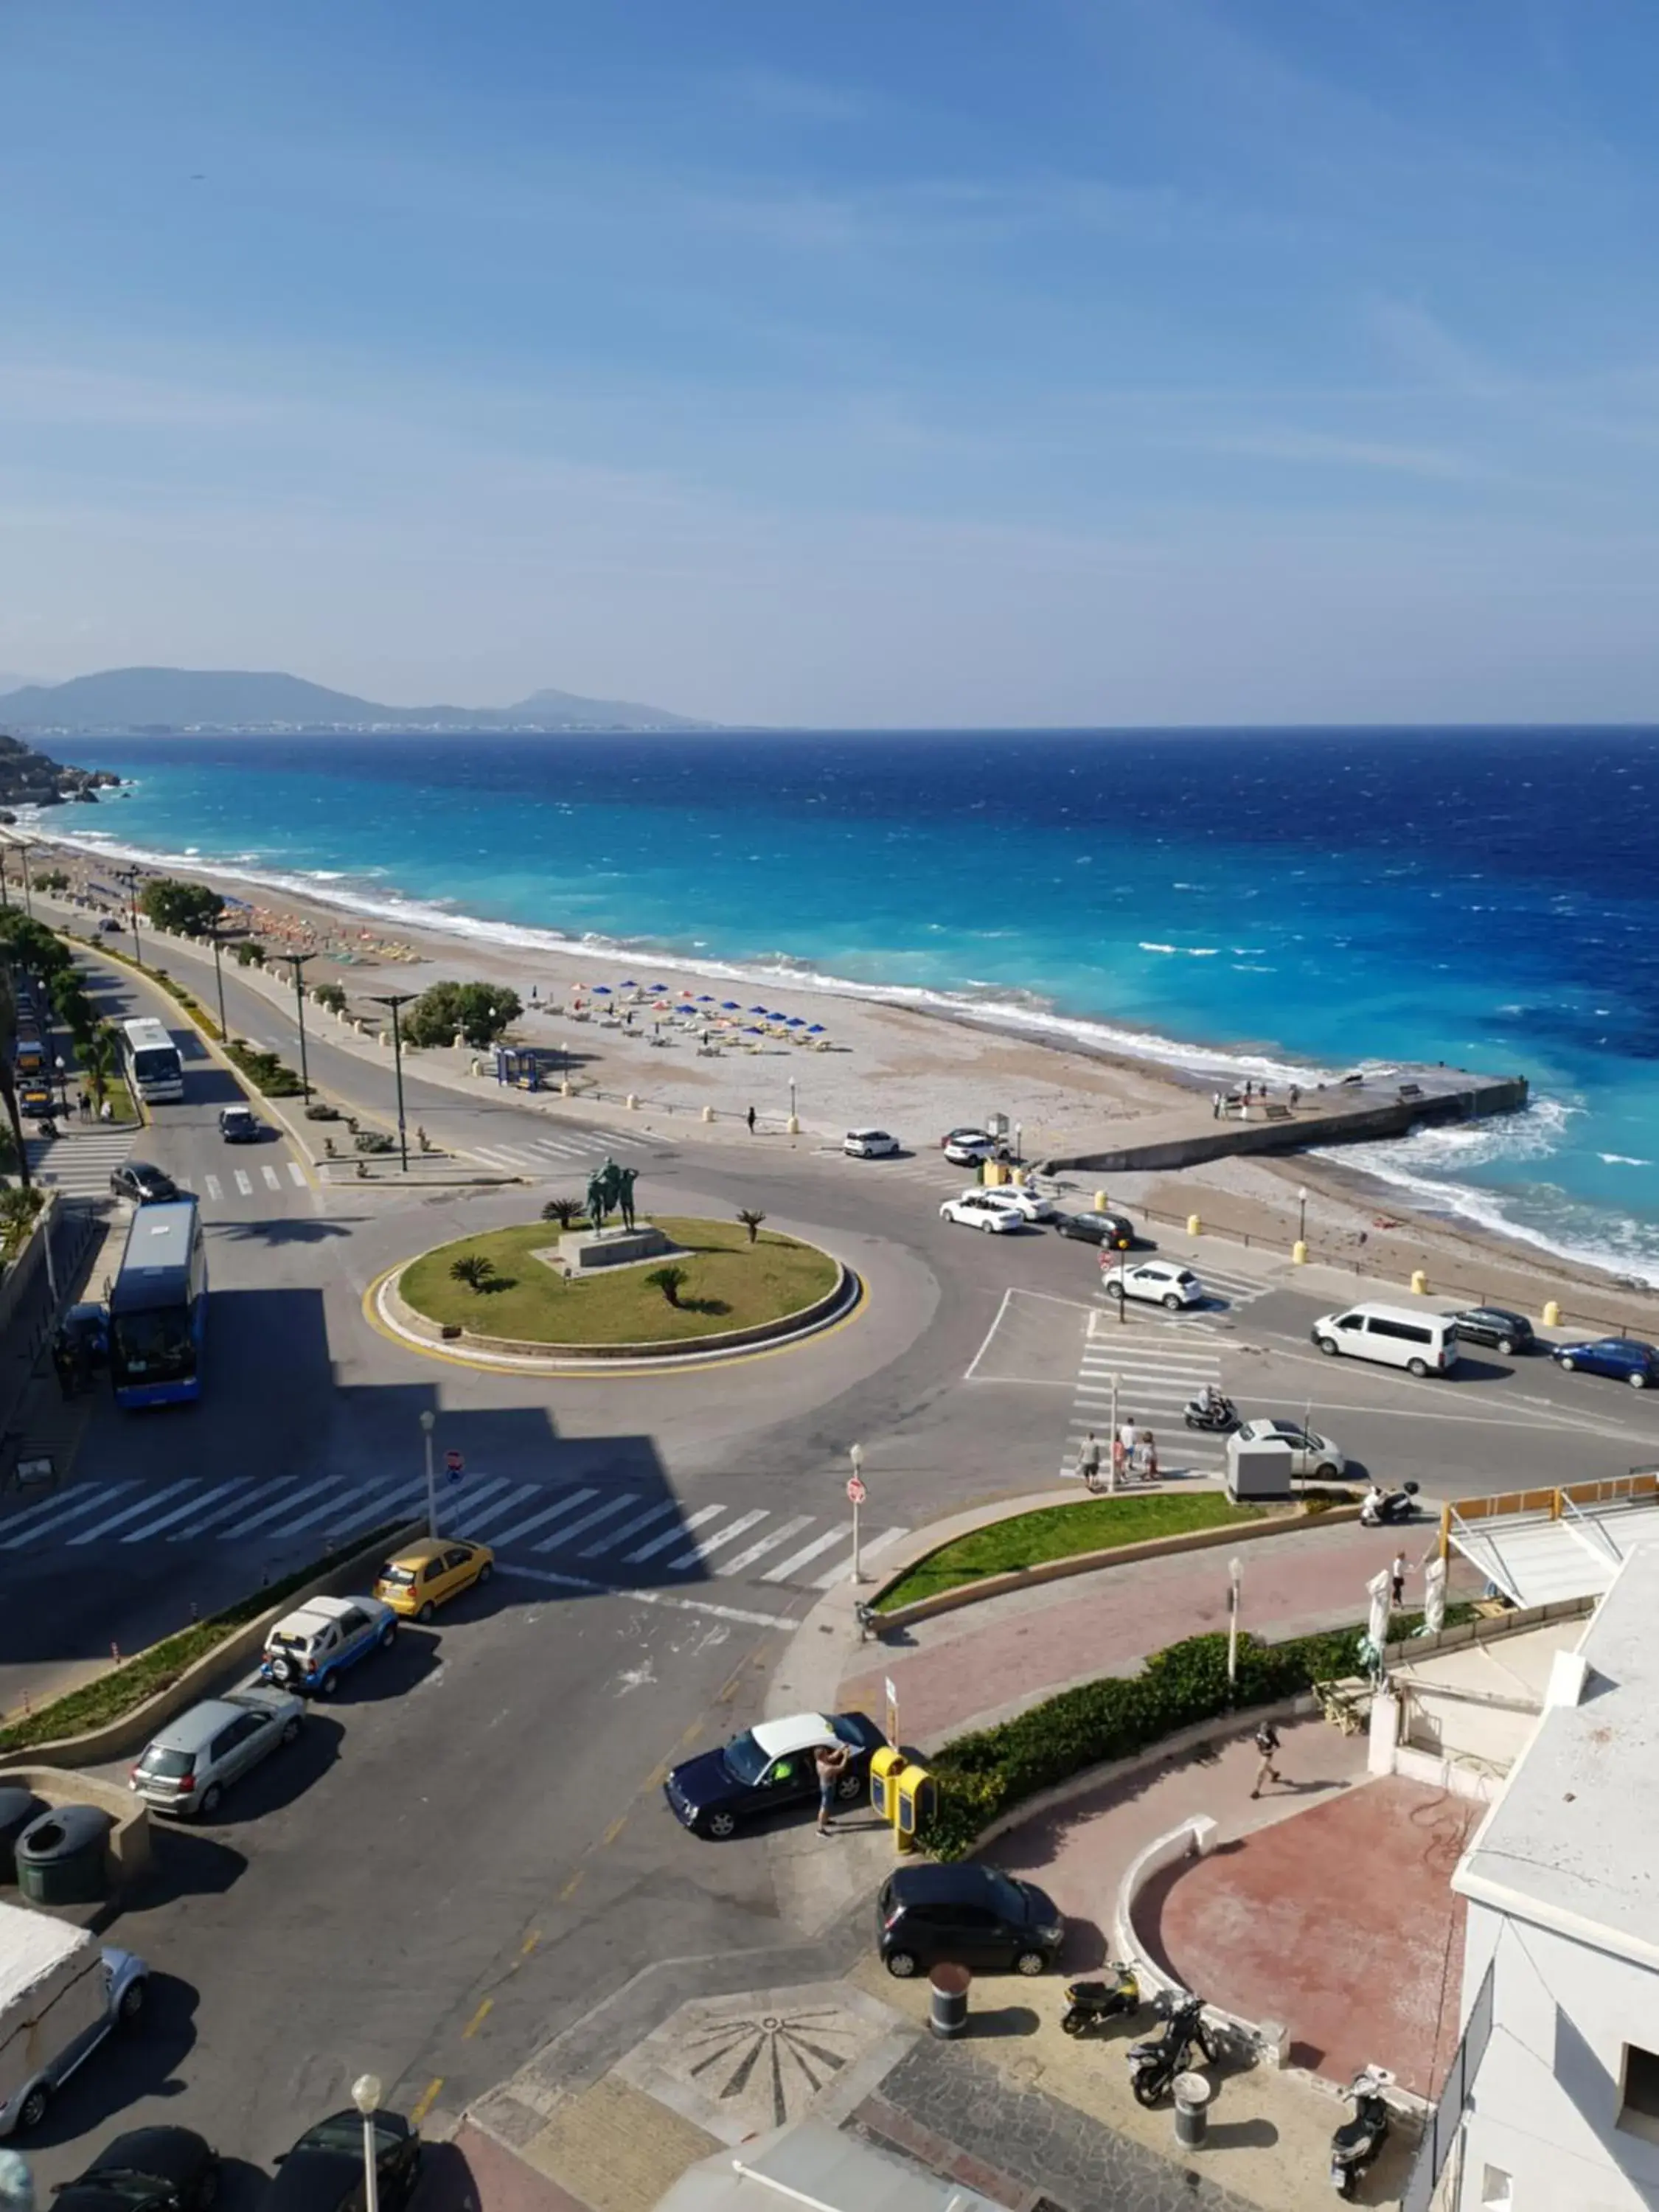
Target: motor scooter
[
  {"x": 1091, "y": 2004},
  {"x": 1154, "y": 2064},
  {"x": 1380, "y": 1506},
  {"x": 1359, "y": 2141},
  {"x": 1213, "y": 1419}
]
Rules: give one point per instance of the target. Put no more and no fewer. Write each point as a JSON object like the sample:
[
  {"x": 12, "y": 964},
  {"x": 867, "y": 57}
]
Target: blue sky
[{"x": 1085, "y": 361}]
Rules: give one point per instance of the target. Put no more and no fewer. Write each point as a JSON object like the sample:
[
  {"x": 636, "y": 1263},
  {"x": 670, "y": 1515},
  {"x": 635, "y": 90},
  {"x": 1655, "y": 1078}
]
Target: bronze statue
[{"x": 626, "y": 1178}]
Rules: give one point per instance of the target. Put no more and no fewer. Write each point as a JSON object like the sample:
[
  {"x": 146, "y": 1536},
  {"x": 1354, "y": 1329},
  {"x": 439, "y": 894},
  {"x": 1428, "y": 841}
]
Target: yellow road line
[
  {"x": 425, "y": 2101},
  {"x": 530, "y": 1942},
  {"x": 572, "y": 1885},
  {"x": 614, "y": 1829},
  {"x": 485, "y": 2009}
]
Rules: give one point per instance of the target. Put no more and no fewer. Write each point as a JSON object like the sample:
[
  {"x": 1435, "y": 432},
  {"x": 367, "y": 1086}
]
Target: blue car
[{"x": 1626, "y": 1358}]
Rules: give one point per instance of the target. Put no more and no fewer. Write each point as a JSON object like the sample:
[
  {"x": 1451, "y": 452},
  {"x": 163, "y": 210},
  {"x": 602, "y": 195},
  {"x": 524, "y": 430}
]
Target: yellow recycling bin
[
  {"x": 885, "y": 1767},
  {"x": 916, "y": 1793}
]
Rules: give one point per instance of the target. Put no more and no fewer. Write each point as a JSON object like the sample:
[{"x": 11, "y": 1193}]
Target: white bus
[{"x": 154, "y": 1071}]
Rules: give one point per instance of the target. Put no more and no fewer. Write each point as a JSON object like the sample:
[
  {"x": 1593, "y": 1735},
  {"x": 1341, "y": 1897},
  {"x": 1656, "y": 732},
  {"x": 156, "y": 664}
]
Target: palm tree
[
  {"x": 751, "y": 1220},
  {"x": 668, "y": 1281},
  {"x": 564, "y": 1211},
  {"x": 100, "y": 1056},
  {"x": 473, "y": 1269}
]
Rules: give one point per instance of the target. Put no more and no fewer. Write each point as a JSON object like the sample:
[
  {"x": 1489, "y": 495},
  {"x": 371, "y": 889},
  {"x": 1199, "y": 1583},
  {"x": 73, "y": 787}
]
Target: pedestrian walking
[
  {"x": 83, "y": 1104},
  {"x": 830, "y": 1759},
  {"x": 1266, "y": 1742},
  {"x": 106, "y": 1112},
  {"x": 1215, "y": 1105},
  {"x": 1397, "y": 1573},
  {"x": 752, "y": 1120},
  {"x": 1088, "y": 1460}
]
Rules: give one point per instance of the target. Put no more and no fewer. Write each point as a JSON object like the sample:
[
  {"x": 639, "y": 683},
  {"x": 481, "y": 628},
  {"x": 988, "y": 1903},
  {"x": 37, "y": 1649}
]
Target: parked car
[
  {"x": 144, "y": 1184},
  {"x": 148, "y": 2170},
  {"x": 767, "y": 1766},
  {"x": 973, "y": 1140},
  {"x": 188, "y": 1765},
  {"x": 1114, "y": 1231},
  {"x": 968, "y": 1914},
  {"x": 324, "y": 2171},
  {"x": 312, "y": 1647},
  {"x": 425, "y": 1575},
  {"x": 978, "y": 1209},
  {"x": 61, "y": 1993},
  {"x": 1625, "y": 1358},
  {"x": 240, "y": 1125},
  {"x": 1504, "y": 1331},
  {"x": 869, "y": 1145},
  {"x": 1307, "y": 1452},
  {"x": 1161, "y": 1281},
  {"x": 1029, "y": 1205}
]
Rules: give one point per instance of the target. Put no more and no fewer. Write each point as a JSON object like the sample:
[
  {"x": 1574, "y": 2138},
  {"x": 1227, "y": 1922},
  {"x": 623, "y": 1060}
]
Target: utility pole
[
  {"x": 29, "y": 902},
  {"x": 393, "y": 1000},
  {"x": 297, "y": 961},
  {"x": 219, "y": 980},
  {"x": 129, "y": 878}
]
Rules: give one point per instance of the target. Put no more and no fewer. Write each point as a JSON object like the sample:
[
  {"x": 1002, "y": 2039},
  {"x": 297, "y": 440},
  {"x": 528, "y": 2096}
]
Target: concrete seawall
[{"x": 1337, "y": 1116}]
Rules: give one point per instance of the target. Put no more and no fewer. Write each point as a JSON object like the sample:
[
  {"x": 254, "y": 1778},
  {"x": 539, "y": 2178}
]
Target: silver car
[
  {"x": 187, "y": 1768},
  {"x": 1309, "y": 1453}
]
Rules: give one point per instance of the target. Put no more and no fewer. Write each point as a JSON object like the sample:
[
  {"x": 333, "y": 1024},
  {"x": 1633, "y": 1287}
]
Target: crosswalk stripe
[
  {"x": 781, "y": 1574},
  {"x": 214, "y": 1190},
  {"x": 243, "y": 1183},
  {"x": 779, "y": 1535},
  {"x": 284, "y": 1503},
  {"x": 476, "y": 1500},
  {"x": 361, "y": 1507},
  {"x": 517, "y": 1495},
  {"x": 183, "y": 1512},
  {"x": 271, "y": 1178},
  {"x": 613, "y": 1538},
  {"x": 843, "y": 1570},
  {"x": 568, "y": 1502},
  {"x": 297, "y": 1174},
  {"x": 39, "y": 1520},
  {"x": 607, "y": 1511},
  {"x": 718, "y": 1540},
  {"x": 131, "y": 1512},
  {"x": 225, "y": 1510},
  {"x": 661, "y": 1543}
]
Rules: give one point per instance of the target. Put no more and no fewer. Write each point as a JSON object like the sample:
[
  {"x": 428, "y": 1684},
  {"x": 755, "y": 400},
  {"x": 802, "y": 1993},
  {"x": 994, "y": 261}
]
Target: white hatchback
[
  {"x": 978, "y": 1209},
  {"x": 1029, "y": 1205},
  {"x": 1158, "y": 1281},
  {"x": 869, "y": 1145}
]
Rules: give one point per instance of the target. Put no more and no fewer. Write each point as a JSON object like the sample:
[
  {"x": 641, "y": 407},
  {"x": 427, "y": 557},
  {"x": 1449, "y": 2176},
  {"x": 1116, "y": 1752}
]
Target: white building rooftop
[{"x": 1570, "y": 1844}]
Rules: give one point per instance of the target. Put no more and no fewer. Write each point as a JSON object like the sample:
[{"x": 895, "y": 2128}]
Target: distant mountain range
[{"x": 177, "y": 699}]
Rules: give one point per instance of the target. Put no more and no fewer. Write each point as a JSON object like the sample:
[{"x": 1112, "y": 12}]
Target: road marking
[
  {"x": 661, "y": 1543},
  {"x": 843, "y": 1571},
  {"x": 671, "y": 1599},
  {"x": 568, "y": 1503},
  {"x": 616, "y": 1537},
  {"x": 53, "y": 1510},
  {"x": 366, "y": 1508},
  {"x": 486, "y": 2006},
  {"x": 614, "y": 1829},
  {"x": 572, "y": 1885},
  {"x": 781, "y": 1574},
  {"x": 297, "y": 1174},
  {"x": 271, "y": 1177},
  {"x": 520, "y": 1495},
  {"x": 425, "y": 2101},
  {"x": 530, "y": 1942},
  {"x": 700, "y": 1550},
  {"x": 243, "y": 1183},
  {"x": 215, "y": 1190},
  {"x": 779, "y": 1535},
  {"x": 606, "y": 1512},
  {"x": 221, "y": 1512},
  {"x": 274, "y": 1513},
  {"x": 183, "y": 1512},
  {"x": 119, "y": 1520}
]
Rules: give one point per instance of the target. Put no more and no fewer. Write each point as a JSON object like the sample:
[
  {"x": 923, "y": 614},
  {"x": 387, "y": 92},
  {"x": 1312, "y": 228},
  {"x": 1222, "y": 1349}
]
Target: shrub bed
[
  {"x": 986, "y": 1774},
  {"x": 264, "y": 1070}
]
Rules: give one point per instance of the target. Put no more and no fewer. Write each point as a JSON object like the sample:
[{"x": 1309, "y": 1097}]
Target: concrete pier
[{"x": 1347, "y": 1113}]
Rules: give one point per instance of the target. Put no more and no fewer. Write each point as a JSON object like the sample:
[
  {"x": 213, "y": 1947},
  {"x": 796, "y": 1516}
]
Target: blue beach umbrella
[
  {"x": 814, "y": 1028},
  {"x": 602, "y": 990},
  {"x": 656, "y": 986},
  {"x": 754, "y": 1028},
  {"x": 730, "y": 1006},
  {"x": 705, "y": 998},
  {"x": 796, "y": 1022}
]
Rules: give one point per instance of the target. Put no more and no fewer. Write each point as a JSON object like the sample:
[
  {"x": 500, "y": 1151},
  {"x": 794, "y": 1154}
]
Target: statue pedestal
[{"x": 579, "y": 1249}]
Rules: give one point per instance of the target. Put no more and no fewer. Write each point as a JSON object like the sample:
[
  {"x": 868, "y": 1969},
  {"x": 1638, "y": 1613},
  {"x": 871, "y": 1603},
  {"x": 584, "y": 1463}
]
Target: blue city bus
[{"x": 158, "y": 1307}]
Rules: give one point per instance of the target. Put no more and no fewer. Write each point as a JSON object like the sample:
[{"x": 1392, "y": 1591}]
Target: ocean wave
[
  {"x": 1191, "y": 951},
  {"x": 1623, "y": 1160}
]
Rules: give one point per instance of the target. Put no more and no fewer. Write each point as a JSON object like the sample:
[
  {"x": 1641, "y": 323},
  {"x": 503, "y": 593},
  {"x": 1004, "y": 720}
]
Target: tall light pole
[
  {"x": 394, "y": 1000},
  {"x": 297, "y": 961},
  {"x": 1235, "y": 1577},
  {"x": 28, "y": 903},
  {"x": 1302, "y": 1217},
  {"x": 219, "y": 980},
  {"x": 129, "y": 878},
  {"x": 366, "y": 2096},
  {"x": 5, "y": 889},
  {"x": 429, "y": 1422},
  {"x": 855, "y": 1492}
]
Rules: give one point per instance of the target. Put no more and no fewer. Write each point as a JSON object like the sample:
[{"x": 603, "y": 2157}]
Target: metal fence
[{"x": 1446, "y": 2120}]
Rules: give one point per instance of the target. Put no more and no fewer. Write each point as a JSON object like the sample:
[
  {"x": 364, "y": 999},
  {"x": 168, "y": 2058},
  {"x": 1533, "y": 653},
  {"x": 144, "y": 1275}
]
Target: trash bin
[
  {"x": 1192, "y": 2098},
  {"x": 948, "y": 2015},
  {"x": 61, "y": 1856},
  {"x": 18, "y": 1806}
]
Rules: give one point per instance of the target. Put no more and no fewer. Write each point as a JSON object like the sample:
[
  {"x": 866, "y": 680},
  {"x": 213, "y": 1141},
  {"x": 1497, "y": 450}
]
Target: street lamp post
[
  {"x": 366, "y": 2096},
  {"x": 855, "y": 1490},
  {"x": 28, "y": 903},
  {"x": 429, "y": 1422},
  {"x": 219, "y": 981},
  {"x": 1302, "y": 1217},
  {"x": 297, "y": 961},
  {"x": 129, "y": 878},
  {"x": 394, "y": 1000},
  {"x": 1235, "y": 1577},
  {"x": 5, "y": 888}
]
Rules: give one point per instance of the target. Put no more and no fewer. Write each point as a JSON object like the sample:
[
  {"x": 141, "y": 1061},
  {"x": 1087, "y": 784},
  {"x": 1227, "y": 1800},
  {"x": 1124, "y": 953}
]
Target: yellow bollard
[
  {"x": 794, "y": 1125},
  {"x": 707, "y": 1113},
  {"x": 632, "y": 1102},
  {"x": 1419, "y": 1284},
  {"x": 1018, "y": 1174},
  {"x": 564, "y": 1087},
  {"x": 1299, "y": 1253},
  {"x": 1194, "y": 1226},
  {"x": 1101, "y": 1204},
  {"x": 1551, "y": 1316}
]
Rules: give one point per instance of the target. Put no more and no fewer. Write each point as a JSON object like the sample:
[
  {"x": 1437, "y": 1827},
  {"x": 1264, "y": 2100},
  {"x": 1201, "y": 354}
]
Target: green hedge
[
  {"x": 986, "y": 1774},
  {"x": 264, "y": 1070}
]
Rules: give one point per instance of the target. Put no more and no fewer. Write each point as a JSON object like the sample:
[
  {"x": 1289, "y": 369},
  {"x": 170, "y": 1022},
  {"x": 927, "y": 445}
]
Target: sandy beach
[{"x": 852, "y": 1061}]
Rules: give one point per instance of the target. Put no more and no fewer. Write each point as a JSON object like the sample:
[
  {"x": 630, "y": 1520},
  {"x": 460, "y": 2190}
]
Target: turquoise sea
[{"x": 1225, "y": 900}]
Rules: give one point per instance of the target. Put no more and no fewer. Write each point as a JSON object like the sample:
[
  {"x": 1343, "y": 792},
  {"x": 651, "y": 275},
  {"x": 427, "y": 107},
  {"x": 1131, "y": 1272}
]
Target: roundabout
[{"x": 712, "y": 1290}]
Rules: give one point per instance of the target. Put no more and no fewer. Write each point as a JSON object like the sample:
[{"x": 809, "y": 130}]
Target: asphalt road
[{"x": 469, "y": 1850}]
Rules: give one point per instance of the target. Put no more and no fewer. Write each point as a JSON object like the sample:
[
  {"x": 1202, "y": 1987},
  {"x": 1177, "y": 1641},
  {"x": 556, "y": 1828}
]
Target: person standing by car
[{"x": 831, "y": 1760}]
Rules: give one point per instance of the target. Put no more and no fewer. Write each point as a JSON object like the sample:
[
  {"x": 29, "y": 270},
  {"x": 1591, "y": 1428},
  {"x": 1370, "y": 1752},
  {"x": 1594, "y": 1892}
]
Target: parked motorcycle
[
  {"x": 1359, "y": 2141},
  {"x": 1154, "y": 2064},
  {"x": 1091, "y": 2004},
  {"x": 1215, "y": 1418},
  {"x": 1381, "y": 1506}
]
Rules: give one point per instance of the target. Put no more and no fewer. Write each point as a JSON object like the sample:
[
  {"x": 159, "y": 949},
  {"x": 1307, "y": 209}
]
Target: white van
[{"x": 1396, "y": 1336}]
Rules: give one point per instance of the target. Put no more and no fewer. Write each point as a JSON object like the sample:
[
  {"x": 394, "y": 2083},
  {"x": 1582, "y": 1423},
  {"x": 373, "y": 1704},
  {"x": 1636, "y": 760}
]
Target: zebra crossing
[
  {"x": 556, "y": 1149},
  {"x": 617, "y": 1535},
  {"x": 78, "y": 1166},
  {"x": 1145, "y": 1367},
  {"x": 242, "y": 1181}
]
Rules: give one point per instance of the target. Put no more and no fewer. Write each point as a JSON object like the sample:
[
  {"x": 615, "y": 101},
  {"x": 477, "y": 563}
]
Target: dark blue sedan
[{"x": 1626, "y": 1358}]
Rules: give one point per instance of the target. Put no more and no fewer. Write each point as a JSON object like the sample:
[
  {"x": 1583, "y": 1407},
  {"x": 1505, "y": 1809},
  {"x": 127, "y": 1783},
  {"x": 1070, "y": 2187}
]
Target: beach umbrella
[
  {"x": 796, "y": 1022},
  {"x": 730, "y": 1006},
  {"x": 814, "y": 1028},
  {"x": 705, "y": 998},
  {"x": 656, "y": 986},
  {"x": 757, "y": 1010},
  {"x": 775, "y": 1017},
  {"x": 754, "y": 1028},
  {"x": 602, "y": 990},
  {"x": 627, "y": 984}
]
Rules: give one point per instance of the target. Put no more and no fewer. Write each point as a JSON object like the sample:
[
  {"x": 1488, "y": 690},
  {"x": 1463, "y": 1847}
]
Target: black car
[
  {"x": 1114, "y": 1229},
  {"x": 768, "y": 1766},
  {"x": 970, "y": 1915},
  {"x": 1504, "y": 1331},
  {"x": 240, "y": 1125},
  {"x": 149, "y": 2170},
  {"x": 324, "y": 2171},
  {"x": 144, "y": 1184}
]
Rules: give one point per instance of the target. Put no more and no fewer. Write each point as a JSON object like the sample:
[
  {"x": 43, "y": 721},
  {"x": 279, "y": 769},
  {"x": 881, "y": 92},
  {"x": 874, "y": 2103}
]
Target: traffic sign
[
  {"x": 454, "y": 1466},
  {"x": 855, "y": 1489}
]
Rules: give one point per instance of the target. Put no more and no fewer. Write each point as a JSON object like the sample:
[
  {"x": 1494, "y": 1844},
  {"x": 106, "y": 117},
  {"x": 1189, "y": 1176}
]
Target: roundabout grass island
[{"x": 727, "y": 1284}]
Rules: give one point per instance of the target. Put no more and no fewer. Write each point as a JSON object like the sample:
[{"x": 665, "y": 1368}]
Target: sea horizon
[{"x": 1218, "y": 902}]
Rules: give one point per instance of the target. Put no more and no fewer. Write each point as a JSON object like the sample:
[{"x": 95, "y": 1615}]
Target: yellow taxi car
[{"x": 425, "y": 1575}]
